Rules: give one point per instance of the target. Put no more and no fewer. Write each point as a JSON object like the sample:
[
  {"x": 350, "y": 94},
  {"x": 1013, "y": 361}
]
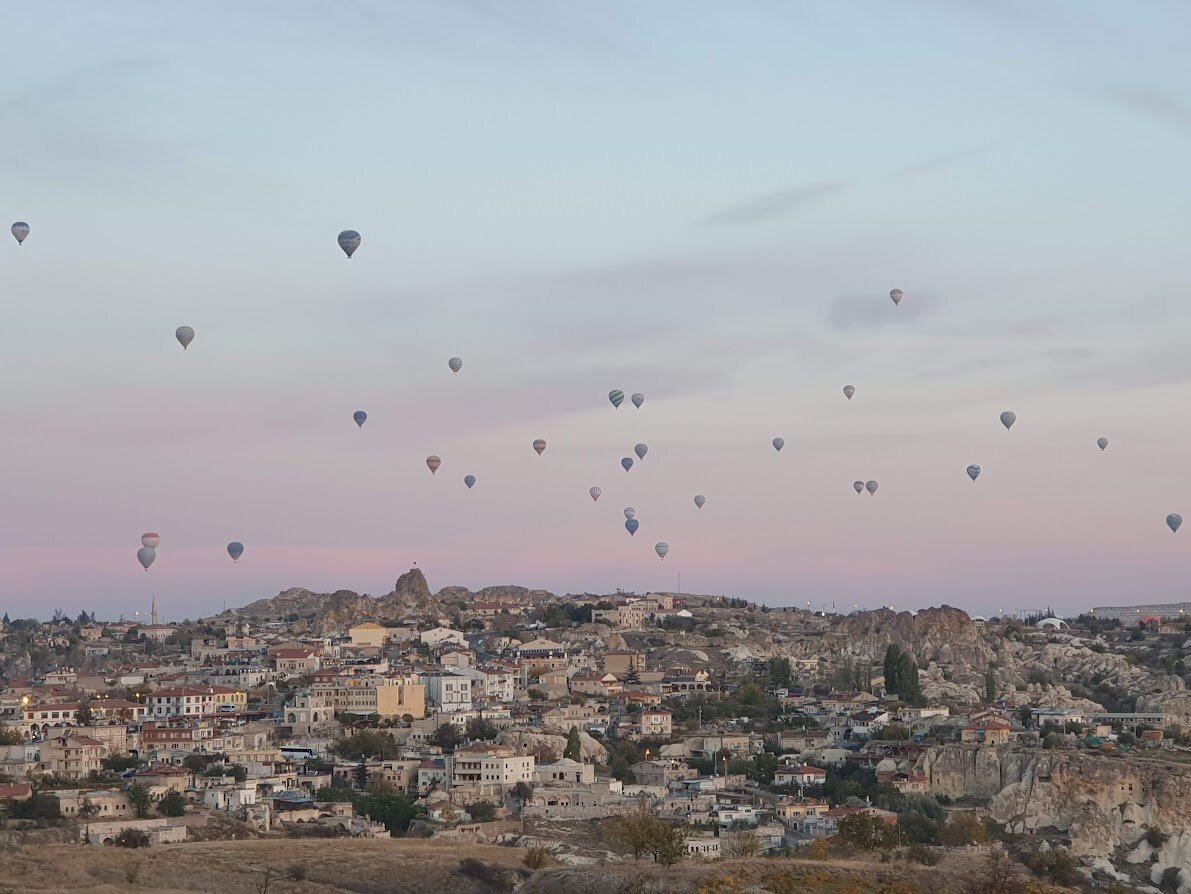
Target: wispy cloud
[
  {"x": 936, "y": 163},
  {"x": 875, "y": 311},
  {"x": 1146, "y": 101},
  {"x": 772, "y": 205}
]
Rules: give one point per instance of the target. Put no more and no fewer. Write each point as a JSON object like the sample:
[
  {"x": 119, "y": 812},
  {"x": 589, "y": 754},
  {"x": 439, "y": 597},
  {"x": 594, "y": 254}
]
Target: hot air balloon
[
  {"x": 20, "y": 230},
  {"x": 1008, "y": 418},
  {"x": 661, "y": 548},
  {"x": 858, "y": 486},
  {"x": 640, "y": 450},
  {"x": 1173, "y": 521},
  {"x": 896, "y": 295},
  {"x": 617, "y": 397},
  {"x": 1102, "y": 443},
  {"x": 700, "y": 500},
  {"x": 470, "y": 481},
  {"x": 871, "y": 487},
  {"x": 779, "y": 443},
  {"x": 630, "y": 512},
  {"x": 539, "y": 445},
  {"x": 145, "y": 555},
  {"x": 631, "y": 526},
  {"x": 235, "y": 549},
  {"x": 185, "y": 336},
  {"x": 595, "y": 493},
  {"x": 849, "y": 390},
  {"x": 455, "y": 364},
  {"x": 973, "y": 472},
  {"x": 361, "y": 417},
  {"x": 349, "y": 241},
  {"x": 627, "y": 463},
  {"x": 150, "y": 539},
  {"x": 432, "y": 463},
  {"x": 638, "y": 399}
]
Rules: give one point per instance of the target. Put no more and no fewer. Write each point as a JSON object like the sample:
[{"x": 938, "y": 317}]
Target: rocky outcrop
[
  {"x": 554, "y": 741},
  {"x": 959, "y": 771},
  {"x": 943, "y": 635}
]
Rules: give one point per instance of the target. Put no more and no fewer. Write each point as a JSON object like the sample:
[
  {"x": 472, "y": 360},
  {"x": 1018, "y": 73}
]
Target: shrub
[
  {"x": 297, "y": 872},
  {"x": 131, "y": 838},
  {"x": 920, "y": 853},
  {"x": 538, "y": 858},
  {"x": 486, "y": 874}
]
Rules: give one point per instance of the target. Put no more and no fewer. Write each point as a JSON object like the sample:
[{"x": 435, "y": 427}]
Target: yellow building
[{"x": 369, "y": 633}]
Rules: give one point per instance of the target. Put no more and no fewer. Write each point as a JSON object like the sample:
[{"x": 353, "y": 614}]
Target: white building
[
  {"x": 450, "y": 691},
  {"x": 436, "y": 636}
]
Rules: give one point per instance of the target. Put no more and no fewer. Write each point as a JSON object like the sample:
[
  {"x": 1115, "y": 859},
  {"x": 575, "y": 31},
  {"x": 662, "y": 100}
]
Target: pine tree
[
  {"x": 574, "y": 749},
  {"x": 990, "y": 686}
]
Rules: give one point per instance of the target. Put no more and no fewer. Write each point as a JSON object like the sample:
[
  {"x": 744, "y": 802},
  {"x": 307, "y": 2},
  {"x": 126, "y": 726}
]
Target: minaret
[{"x": 153, "y": 613}]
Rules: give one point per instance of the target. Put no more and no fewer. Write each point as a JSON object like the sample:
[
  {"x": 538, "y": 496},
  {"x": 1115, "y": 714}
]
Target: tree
[
  {"x": 667, "y": 842},
  {"x": 138, "y": 796},
  {"x": 480, "y": 729},
  {"x": 395, "y": 811},
  {"x": 85, "y": 715},
  {"x": 88, "y": 810},
  {"x": 197, "y": 763},
  {"x": 964, "y": 829},
  {"x": 10, "y": 737},
  {"x": 779, "y": 673},
  {"x": 990, "y": 686},
  {"x": 364, "y": 744},
  {"x": 39, "y": 807},
  {"x": 864, "y": 830},
  {"x": 522, "y": 792},
  {"x": 333, "y": 795},
  {"x": 482, "y": 811},
  {"x": 895, "y": 732},
  {"x": 739, "y": 843},
  {"x": 574, "y": 749},
  {"x": 446, "y": 737},
  {"x": 173, "y": 804},
  {"x": 131, "y": 838}
]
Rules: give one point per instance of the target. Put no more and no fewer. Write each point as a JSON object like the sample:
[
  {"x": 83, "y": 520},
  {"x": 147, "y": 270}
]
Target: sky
[{"x": 707, "y": 203}]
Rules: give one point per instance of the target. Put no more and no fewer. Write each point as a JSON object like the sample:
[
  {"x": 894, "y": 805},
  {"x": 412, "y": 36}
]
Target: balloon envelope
[
  {"x": 870, "y": 486},
  {"x": 595, "y": 493},
  {"x": 539, "y": 445},
  {"x": 661, "y": 548},
  {"x": 349, "y": 241},
  {"x": 849, "y": 390},
  {"x": 631, "y": 526},
  {"x": 973, "y": 472},
  {"x": 640, "y": 450},
  {"x": 617, "y": 397},
  {"x": 700, "y": 500},
  {"x": 858, "y": 486},
  {"x": 361, "y": 417},
  {"x": 1008, "y": 418},
  {"x": 455, "y": 364},
  {"x": 185, "y": 336},
  {"x": 150, "y": 539},
  {"x": 638, "y": 399},
  {"x": 630, "y": 512},
  {"x": 1102, "y": 443},
  {"x": 627, "y": 463},
  {"x": 1173, "y": 521},
  {"x": 145, "y": 555},
  {"x": 235, "y": 549},
  {"x": 470, "y": 481},
  {"x": 896, "y": 295},
  {"x": 20, "y": 230},
  {"x": 779, "y": 443},
  {"x": 432, "y": 463}
]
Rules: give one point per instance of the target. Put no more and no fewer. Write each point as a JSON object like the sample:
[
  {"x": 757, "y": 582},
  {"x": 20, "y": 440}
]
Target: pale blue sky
[{"x": 705, "y": 202}]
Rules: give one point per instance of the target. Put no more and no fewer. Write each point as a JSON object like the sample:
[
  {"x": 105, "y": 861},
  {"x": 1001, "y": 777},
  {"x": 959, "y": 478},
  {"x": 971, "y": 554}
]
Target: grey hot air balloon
[
  {"x": 700, "y": 500},
  {"x": 638, "y": 399},
  {"x": 627, "y": 463},
  {"x": 630, "y": 512},
  {"x": 779, "y": 443},
  {"x": 896, "y": 295},
  {"x": 432, "y": 463},
  {"x": 871, "y": 487},
  {"x": 641, "y": 450},
  {"x": 616, "y": 396},
  {"x": 150, "y": 539},
  {"x": 145, "y": 555},
  {"x": 185, "y": 336},
  {"x": 349, "y": 241},
  {"x": 1008, "y": 418},
  {"x": 858, "y": 486},
  {"x": 661, "y": 548},
  {"x": 1102, "y": 443},
  {"x": 235, "y": 549},
  {"x": 20, "y": 230},
  {"x": 1173, "y": 521},
  {"x": 849, "y": 390},
  {"x": 455, "y": 364},
  {"x": 595, "y": 494},
  {"x": 973, "y": 472},
  {"x": 361, "y": 417},
  {"x": 631, "y": 525},
  {"x": 470, "y": 481},
  {"x": 540, "y": 446}
]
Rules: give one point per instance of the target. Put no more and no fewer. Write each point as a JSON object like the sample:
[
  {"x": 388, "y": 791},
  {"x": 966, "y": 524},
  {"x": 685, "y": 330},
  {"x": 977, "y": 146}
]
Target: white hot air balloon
[
  {"x": 896, "y": 295},
  {"x": 1008, "y": 418},
  {"x": 146, "y": 556},
  {"x": 432, "y": 463},
  {"x": 1102, "y": 443},
  {"x": 661, "y": 548},
  {"x": 20, "y": 231},
  {"x": 849, "y": 390},
  {"x": 871, "y": 487},
  {"x": 700, "y": 500},
  {"x": 456, "y": 364},
  {"x": 150, "y": 539},
  {"x": 349, "y": 241},
  {"x": 595, "y": 494},
  {"x": 779, "y": 443},
  {"x": 638, "y": 399},
  {"x": 630, "y": 512},
  {"x": 185, "y": 336},
  {"x": 540, "y": 446}
]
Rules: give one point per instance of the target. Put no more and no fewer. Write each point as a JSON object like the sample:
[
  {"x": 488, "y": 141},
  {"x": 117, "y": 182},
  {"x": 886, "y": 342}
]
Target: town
[{"x": 615, "y": 729}]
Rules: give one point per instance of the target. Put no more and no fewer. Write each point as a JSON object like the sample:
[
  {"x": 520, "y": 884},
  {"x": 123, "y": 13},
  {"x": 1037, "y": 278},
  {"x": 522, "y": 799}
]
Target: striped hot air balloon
[{"x": 616, "y": 396}]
